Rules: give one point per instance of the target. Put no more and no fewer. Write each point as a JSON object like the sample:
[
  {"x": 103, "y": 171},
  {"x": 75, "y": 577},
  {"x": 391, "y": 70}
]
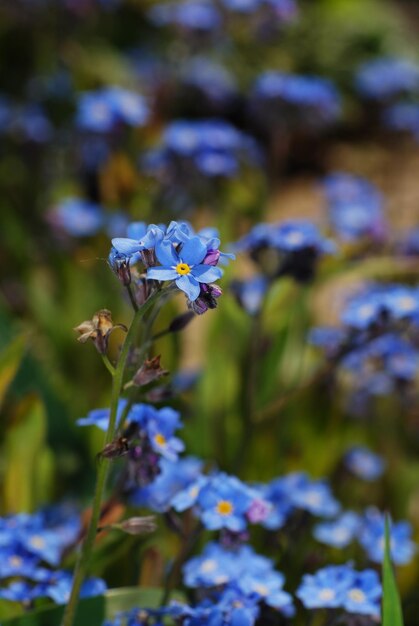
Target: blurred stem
[
  {"x": 87, "y": 548},
  {"x": 249, "y": 379}
]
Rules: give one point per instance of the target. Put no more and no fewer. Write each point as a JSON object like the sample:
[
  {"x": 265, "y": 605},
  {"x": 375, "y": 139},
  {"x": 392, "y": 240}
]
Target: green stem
[
  {"x": 108, "y": 365},
  {"x": 87, "y": 548}
]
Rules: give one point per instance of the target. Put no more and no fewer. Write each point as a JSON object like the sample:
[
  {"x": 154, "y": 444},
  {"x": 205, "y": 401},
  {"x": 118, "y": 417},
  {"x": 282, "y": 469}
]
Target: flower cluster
[
  {"x": 284, "y": 249},
  {"x": 32, "y": 547},
  {"x": 377, "y": 348},
  {"x": 209, "y": 148},
  {"x": 387, "y": 78},
  {"x": 104, "y": 110},
  {"x": 369, "y": 530},
  {"x": 149, "y": 435},
  {"x": 341, "y": 586},
  {"x": 291, "y": 100},
  {"x": 177, "y": 255}
]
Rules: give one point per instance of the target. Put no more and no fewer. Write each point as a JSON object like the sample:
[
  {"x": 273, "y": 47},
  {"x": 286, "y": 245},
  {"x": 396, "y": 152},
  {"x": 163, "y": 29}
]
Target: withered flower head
[
  {"x": 98, "y": 329},
  {"x": 138, "y": 525},
  {"x": 149, "y": 371}
]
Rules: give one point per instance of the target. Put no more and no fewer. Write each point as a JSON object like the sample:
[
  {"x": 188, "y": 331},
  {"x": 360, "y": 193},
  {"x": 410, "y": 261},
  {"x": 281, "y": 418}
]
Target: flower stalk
[{"x": 87, "y": 548}]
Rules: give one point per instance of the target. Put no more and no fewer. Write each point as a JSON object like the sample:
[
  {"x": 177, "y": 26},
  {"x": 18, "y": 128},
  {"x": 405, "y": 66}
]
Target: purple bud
[{"x": 212, "y": 257}]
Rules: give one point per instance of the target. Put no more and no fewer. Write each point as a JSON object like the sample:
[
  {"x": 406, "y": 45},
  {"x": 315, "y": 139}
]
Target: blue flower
[
  {"x": 101, "y": 111},
  {"x": 313, "y": 496},
  {"x": 185, "y": 267},
  {"x": 377, "y": 303},
  {"x": 174, "y": 477},
  {"x": 403, "y": 117},
  {"x": 364, "y": 593},
  {"x": 160, "y": 431},
  {"x": 250, "y": 293},
  {"x": 386, "y": 77},
  {"x": 372, "y": 538},
  {"x": 279, "y": 97},
  {"x": 100, "y": 417},
  {"x": 340, "y": 532},
  {"x": 355, "y": 207},
  {"x": 199, "y": 15},
  {"x": 364, "y": 463},
  {"x": 223, "y": 503},
  {"x": 77, "y": 217},
  {"x": 326, "y": 588}
]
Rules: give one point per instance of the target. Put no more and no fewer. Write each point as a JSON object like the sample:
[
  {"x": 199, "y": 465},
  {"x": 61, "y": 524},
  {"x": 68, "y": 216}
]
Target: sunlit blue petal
[
  {"x": 193, "y": 251},
  {"x": 125, "y": 246},
  {"x": 161, "y": 273},
  {"x": 189, "y": 285},
  {"x": 207, "y": 273},
  {"x": 166, "y": 253}
]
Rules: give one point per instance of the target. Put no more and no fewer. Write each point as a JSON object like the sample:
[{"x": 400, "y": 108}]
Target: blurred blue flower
[
  {"x": 376, "y": 303},
  {"x": 326, "y": 588},
  {"x": 386, "y": 77},
  {"x": 402, "y": 117},
  {"x": 192, "y": 15},
  {"x": 364, "y": 463},
  {"x": 101, "y": 111},
  {"x": 355, "y": 207},
  {"x": 313, "y": 496},
  {"x": 286, "y": 99},
  {"x": 77, "y": 217},
  {"x": 210, "y": 147},
  {"x": 340, "y": 532},
  {"x": 223, "y": 503},
  {"x": 174, "y": 477},
  {"x": 364, "y": 593},
  {"x": 372, "y": 538},
  {"x": 250, "y": 293}
]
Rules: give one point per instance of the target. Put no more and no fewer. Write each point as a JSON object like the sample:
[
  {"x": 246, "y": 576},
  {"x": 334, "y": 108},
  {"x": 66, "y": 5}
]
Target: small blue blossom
[
  {"x": 186, "y": 268},
  {"x": 355, "y": 207},
  {"x": 223, "y": 503},
  {"x": 174, "y": 477},
  {"x": 364, "y": 463},
  {"x": 340, "y": 532},
  {"x": 326, "y": 588},
  {"x": 402, "y": 117},
  {"x": 284, "y": 99},
  {"x": 250, "y": 293},
  {"x": 191, "y": 15},
  {"x": 77, "y": 217},
  {"x": 101, "y": 111},
  {"x": 385, "y": 77},
  {"x": 372, "y": 538},
  {"x": 313, "y": 496},
  {"x": 364, "y": 593}
]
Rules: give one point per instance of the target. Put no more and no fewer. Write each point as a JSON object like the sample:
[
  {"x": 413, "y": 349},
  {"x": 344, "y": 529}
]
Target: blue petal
[
  {"x": 193, "y": 251},
  {"x": 125, "y": 246},
  {"x": 207, "y": 273},
  {"x": 166, "y": 253},
  {"x": 189, "y": 285},
  {"x": 162, "y": 273},
  {"x": 136, "y": 230}
]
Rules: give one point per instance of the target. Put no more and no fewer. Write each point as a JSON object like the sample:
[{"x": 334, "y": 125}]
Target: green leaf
[
  {"x": 392, "y": 610},
  {"x": 28, "y": 462},
  {"x": 92, "y": 611},
  {"x": 10, "y": 360}
]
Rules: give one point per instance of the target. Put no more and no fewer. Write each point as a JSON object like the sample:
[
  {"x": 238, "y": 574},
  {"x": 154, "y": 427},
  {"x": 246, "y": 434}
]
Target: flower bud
[
  {"x": 149, "y": 371},
  {"x": 138, "y": 525}
]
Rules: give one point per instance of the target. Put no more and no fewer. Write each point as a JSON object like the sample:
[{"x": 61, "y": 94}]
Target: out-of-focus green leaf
[
  {"x": 392, "y": 610},
  {"x": 28, "y": 466},
  {"x": 10, "y": 360},
  {"x": 91, "y": 611}
]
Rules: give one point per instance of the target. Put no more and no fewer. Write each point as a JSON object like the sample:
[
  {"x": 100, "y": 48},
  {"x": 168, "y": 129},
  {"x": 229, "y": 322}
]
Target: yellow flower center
[
  {"x": 37, "y": 542},
  {"x": 160, "y": 439},
  {"x": 357, "y": 595},
  {"x": 15, "y": 561},
  {"x": 327, "y": 594},
  {"x": 183, "y": 268},
  {"x": 224, "y": 507}
]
